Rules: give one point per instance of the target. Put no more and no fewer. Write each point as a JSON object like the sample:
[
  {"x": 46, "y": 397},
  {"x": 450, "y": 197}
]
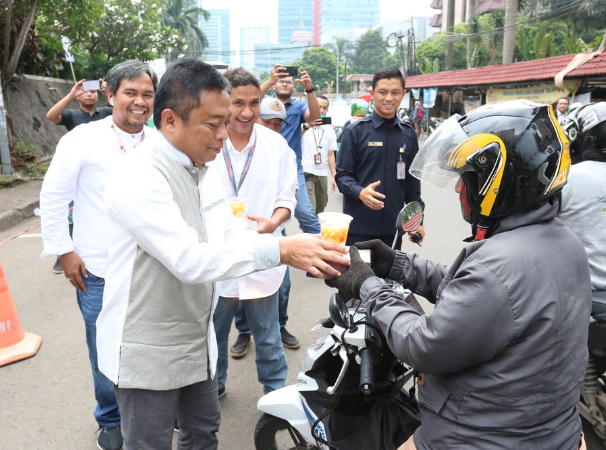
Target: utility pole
[
  {"x": 5, "y": 153},
  {"x": 449, "y": 38}
]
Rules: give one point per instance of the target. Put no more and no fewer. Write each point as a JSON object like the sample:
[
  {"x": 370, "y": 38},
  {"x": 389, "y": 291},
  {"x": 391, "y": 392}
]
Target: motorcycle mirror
[
  {"x": 339, "y": 312},
  {"x": 410, "y": 217}
]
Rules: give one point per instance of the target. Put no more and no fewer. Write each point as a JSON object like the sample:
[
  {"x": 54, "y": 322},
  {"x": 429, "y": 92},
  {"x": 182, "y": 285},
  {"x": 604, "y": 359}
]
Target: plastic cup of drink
[
  {"x": 335, "y": 226},
  {"x": 237, "y": 206}
]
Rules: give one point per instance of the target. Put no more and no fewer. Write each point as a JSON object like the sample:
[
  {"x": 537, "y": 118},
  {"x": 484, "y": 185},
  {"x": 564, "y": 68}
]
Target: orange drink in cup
[
  {"x": 335, "y": 226},
  {"x": 237, "y": 207}
]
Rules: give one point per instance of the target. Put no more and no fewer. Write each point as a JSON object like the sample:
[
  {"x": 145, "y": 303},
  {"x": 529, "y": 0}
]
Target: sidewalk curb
[{"x": 13, "y": 217}]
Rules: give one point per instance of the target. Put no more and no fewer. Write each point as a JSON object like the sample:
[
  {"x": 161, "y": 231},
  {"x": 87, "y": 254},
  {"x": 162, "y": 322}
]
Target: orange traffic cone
[{"x": 15, "y": 345}]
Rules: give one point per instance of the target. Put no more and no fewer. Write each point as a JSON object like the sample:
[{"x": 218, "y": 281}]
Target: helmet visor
[{"x": 443, "y": 156}]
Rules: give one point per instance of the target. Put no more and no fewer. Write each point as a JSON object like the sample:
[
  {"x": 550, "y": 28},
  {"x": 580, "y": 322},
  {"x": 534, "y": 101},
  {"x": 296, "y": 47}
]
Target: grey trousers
[
  {"x": 317, "y": 189},
  {"x": 148, "y": 417}
]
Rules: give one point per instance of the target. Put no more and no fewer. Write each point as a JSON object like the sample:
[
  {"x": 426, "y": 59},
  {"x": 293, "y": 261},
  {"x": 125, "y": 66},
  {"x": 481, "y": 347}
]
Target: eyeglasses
[{"x": 287, "y": 82}]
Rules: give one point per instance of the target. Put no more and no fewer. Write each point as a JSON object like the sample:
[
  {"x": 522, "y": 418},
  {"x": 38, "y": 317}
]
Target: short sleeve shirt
[
  {"x": 71, "y": 118},
  {"x": 318, "y": 140}
]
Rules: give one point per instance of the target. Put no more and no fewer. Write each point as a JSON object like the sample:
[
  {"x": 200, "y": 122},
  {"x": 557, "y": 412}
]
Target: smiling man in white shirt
[
  {"x": 79, "y": 172},
  {"x": 172, "y": 236},
  {"x": 258, "y": 165}
]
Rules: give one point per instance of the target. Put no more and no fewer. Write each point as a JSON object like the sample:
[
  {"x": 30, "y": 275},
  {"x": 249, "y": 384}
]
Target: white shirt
[
  {"x": 271, "y": 182},
  {"x": 561, "y": 116},
  {"x": 319, "y": 139},
  {"x": 78, "y": 172},
  {"x": 142, "y": 213}
]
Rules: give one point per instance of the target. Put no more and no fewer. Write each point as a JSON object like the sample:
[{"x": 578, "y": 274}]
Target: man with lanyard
[
  {"x": 373, "y": 163},
  {"x": 79, "y": 171},
  {"x": 319, "y": 145},
  {"x": 268, "y": 183},
  {"x": 172, "y": 236},
  {"x": 71, "y": 118},
  {"x": 296, "y": 113}
]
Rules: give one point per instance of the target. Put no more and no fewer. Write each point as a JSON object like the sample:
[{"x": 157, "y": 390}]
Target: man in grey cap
[{"x": 273, "y": 113}]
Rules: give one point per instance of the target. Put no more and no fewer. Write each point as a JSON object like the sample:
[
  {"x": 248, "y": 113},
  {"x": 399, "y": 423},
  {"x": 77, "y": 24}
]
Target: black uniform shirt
[
  {"x": 71, "y": 118},
  {"x": 369, "y": 152}
]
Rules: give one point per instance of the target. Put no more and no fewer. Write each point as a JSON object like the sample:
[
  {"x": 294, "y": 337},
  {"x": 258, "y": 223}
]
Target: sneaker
[
  {"x": 110, "y": 438},
  {"x": 239, "y": 349},
  {"x": 221, "y": 392},
  {"x": 176, "y": 426},
  {"x": 288, "y": 339},
  {"x": 58, "y": 268}
]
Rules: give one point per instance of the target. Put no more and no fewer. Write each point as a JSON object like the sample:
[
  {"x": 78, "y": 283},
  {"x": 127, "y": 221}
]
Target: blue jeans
[
  {"x": 262, "y": 314},
  {"x": 90, "y": 302},
  {"x": 304, "y": 212},
  {"x": 283, "y": 294}
]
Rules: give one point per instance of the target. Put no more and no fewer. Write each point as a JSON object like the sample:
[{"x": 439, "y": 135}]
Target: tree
[
  {"x": 342, "y": 48},
  {"x": 435, "y": 48},
  {"x": 183, "y": 17},
  {"x": 509, "y": 35},
  {"x": 370, "y": 52},
  {"x": 320, "y": 63}
]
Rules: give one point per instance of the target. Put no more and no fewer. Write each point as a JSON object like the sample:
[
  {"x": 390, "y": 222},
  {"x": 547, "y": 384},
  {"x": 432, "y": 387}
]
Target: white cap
[{"x": 272, "y": 108}]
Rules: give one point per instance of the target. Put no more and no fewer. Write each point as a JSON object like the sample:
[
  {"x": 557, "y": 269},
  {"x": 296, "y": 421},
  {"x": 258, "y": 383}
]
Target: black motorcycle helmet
[
  {"x": 586, "y": 130},
  {"x": 510, "y": 155}
]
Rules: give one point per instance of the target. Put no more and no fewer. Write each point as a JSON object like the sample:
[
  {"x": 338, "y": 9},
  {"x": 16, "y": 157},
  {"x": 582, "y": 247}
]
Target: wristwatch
[
  {"x": 305, "y": 126},
  {"x": 309, "y": 91}
]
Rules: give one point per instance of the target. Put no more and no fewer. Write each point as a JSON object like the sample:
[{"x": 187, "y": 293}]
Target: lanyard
[
  {"x": 318, "y": 146},
  {"x": 230, "y": 166},
  {"x": 122, "y": 147}
]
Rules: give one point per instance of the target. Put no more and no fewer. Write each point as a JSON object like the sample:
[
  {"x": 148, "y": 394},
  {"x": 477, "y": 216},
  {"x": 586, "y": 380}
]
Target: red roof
[
  {"x": 358, "y": 77},
  {"x": 516, "y": 73}
]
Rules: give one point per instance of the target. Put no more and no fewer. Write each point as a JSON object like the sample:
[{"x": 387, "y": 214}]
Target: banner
[
  {"x": 416, "y": 93},
  {"x": 429, "y": 97},
  {"x": 66, "y": 46},
  {"x": 471, "y": 102},
  {"x": 546, "y": 94}
]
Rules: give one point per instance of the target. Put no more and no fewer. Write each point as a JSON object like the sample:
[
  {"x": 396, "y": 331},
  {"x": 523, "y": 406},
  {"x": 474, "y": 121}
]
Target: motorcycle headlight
[{"x": 313, "y": 349}]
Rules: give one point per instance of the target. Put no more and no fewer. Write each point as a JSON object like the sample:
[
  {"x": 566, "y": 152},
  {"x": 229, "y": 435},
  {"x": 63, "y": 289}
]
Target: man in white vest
[{"x": 172, "y": 237}]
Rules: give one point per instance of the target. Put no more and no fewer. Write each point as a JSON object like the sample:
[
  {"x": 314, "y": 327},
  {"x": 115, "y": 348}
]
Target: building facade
[
  {"x": 249, "y": 37},
  {"x": 217, "y": 32},
  {"x": 294, "y": 15},
  {"x": 340, "y": 17}
]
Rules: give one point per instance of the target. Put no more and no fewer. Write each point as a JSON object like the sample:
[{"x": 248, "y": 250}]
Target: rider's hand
[
  {"x": 351, "y": 281},
  {"x": 369, "y": 196},
  {"x": 382, "y": 256},
  {"x": 420, "y": 230}
]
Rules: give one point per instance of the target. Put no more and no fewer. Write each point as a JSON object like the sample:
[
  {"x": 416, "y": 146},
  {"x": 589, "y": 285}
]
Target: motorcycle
[
  {"x": 404, "y": 116},
  {"x": 592, "y": 406},
  {"x": 349, "y": 381},
  {"x": 433, "y": 125}
]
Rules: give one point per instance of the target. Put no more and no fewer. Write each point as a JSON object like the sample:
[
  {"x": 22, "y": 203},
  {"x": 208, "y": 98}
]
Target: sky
[{"x": 248, "y": 13}]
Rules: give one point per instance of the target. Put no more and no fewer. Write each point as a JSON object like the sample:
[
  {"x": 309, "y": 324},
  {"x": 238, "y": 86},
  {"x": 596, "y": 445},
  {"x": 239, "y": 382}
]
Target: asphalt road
[{"x": 47, "y": 402}]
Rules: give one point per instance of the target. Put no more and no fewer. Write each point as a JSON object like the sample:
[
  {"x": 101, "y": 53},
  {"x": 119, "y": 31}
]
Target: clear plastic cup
[
  {"x": 335, "y": 226},
  {"x": 237, "y": 205}
]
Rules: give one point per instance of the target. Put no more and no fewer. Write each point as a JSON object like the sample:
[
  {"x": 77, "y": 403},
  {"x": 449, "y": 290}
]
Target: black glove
[
  {"x": 382, "y": 257},
  {"x": 351, "y": 281}
]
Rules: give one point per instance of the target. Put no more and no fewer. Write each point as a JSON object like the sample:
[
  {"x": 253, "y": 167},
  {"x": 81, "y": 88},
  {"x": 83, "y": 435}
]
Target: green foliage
[
  {"x": 434, "y": 48},
  {"x": 430, "y": 66},
  {"x": 183, "y": 17},
  {"x": 106, "y": 32},
  {"x": 321, "y": 65},
  {"x": 370, "y": 53}
]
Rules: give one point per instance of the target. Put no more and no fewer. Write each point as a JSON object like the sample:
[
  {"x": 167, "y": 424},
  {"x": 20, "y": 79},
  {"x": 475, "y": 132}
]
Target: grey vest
[{"x": 164, "y": 341}]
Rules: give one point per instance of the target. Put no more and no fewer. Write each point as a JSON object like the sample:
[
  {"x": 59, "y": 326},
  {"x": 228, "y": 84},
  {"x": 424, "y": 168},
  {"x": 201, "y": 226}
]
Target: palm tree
[
  {"x": 509, "y": 36},
  {"x": 183, "y": 17},
  {"x": 450, "y": 14}
]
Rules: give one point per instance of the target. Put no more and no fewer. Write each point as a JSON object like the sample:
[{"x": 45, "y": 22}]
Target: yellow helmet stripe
[{"x": 564, "y": 161}]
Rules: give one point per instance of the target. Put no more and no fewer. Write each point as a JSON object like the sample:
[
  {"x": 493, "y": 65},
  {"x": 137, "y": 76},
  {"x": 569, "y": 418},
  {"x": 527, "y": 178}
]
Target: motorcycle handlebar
[
  {"x": 367, "y": 382},
  {"x": 416, "y": 238}
]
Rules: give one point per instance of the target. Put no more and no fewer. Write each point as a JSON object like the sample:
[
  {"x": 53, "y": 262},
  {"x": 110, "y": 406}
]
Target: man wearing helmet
[
  {"x": 359, "y": 108},
  {"x": 504, "y": 351},
  {"x": 584, "y": 197}
]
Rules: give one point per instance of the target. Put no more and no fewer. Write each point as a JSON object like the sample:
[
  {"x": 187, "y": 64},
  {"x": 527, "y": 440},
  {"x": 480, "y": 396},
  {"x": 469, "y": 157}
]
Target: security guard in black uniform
[{"x": 373, "y": 162}]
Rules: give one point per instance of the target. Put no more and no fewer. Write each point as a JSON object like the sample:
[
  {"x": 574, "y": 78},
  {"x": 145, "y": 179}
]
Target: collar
[
  {"x": 377, "y": 120},
  {"x": 175, "y": 153},
  {"x": 95, "y": 111},
  {"x": 251, "y": 140}
]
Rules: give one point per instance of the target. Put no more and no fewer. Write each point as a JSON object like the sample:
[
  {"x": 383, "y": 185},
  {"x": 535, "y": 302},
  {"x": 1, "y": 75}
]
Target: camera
[
  {"x": 292, "y": 71},
  {"x": 326, "y": 120}
]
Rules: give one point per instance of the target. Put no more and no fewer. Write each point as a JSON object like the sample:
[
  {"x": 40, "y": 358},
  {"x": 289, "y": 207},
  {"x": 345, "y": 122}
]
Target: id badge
[
  {"x": 401, "y": 170},
  {"x": 318, "y": 158}
]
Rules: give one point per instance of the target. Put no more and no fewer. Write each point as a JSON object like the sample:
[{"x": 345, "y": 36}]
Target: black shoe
[
  {"x": 239, "y": 349},
  {"x": 110, "y": 438},
  {"x": 288, "y": 339},
  {"x": 221, "y": 392},
  {"x": 176, "y": 426},
  {"x": 57, "y": 267}
]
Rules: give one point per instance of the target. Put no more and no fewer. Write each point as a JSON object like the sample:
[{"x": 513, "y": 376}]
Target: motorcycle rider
[
  {"x": 504, "y": 352},
  {"x": 584, "y": 197}
]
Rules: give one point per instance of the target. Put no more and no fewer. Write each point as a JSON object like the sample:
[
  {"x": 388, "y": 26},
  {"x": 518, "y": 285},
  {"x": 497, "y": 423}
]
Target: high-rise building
[
  {"x": 463, "y": 10},
  {"x": 294, "y": 15},
  {"x": 249, "y": 36},
  {"x": 216, "y": 30},
  {"x": 339, "y": 17}
]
